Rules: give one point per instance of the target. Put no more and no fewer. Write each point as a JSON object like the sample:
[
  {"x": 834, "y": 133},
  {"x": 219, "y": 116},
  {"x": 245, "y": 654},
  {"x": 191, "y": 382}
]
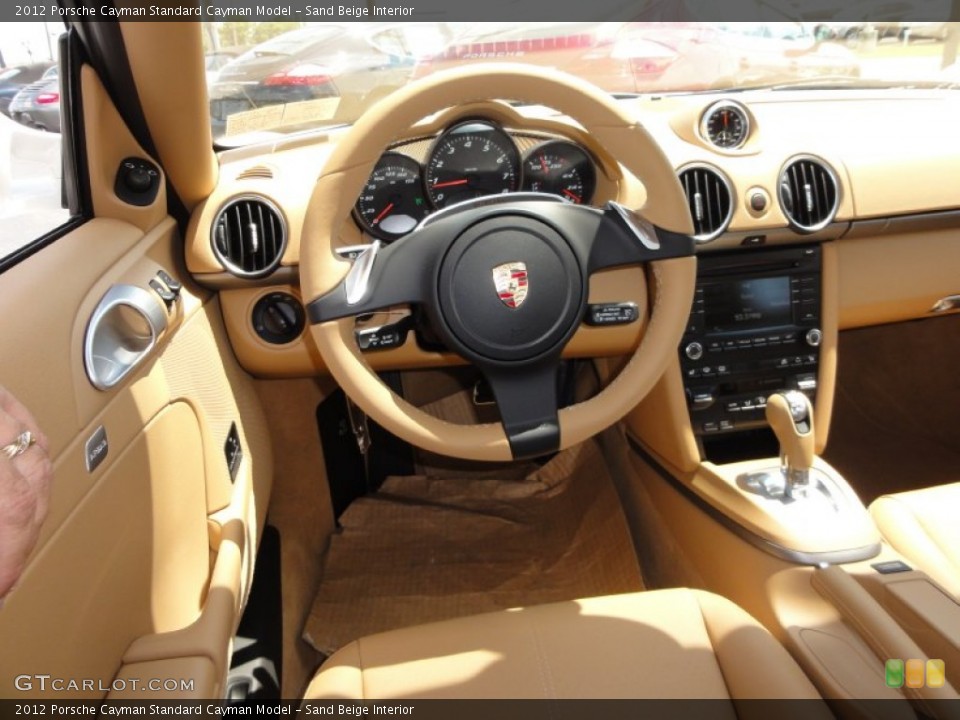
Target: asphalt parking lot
[{"x": 29, "y": 185}]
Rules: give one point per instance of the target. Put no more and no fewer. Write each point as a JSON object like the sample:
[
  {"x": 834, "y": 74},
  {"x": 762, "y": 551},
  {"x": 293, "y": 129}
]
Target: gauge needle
[
  {"x": 450, "y": 182},
  {"x": 543, "y": 164},
  {"x": 383, "y": 213},
  {"x": 575, "y": 198}
]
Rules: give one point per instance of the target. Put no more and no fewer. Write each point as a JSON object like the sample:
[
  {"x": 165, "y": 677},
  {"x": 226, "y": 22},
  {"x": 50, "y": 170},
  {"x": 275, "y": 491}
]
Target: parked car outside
[
  {"x": 654, "y": 56},
  {"x": 214, "y": 61},
  {"x": 14, "y": 79},
  {"x": 355, "y": 63},
  {"x": 38, "y": 104}
]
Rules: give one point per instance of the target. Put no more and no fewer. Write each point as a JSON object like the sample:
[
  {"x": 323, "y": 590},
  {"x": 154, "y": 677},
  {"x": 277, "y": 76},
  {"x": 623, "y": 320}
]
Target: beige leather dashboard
[{"x": 892, "y": 155}]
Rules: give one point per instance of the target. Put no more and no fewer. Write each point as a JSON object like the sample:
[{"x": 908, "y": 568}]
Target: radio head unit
[{"x": 754, "y": 329}]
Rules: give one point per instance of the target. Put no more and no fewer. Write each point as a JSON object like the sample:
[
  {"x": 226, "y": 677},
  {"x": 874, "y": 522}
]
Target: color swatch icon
[
  {"x": 894, "y": 673},
  {"x": 936, "y": 673},
  {"x": 914, "y": 673}
]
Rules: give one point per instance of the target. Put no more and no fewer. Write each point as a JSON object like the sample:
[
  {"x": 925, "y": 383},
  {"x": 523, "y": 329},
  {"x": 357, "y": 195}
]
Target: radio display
[{"x": 747, "y": 304}]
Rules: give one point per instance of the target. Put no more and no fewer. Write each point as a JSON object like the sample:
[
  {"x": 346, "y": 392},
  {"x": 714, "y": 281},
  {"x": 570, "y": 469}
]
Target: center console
[{"x": 754, "y": 329}]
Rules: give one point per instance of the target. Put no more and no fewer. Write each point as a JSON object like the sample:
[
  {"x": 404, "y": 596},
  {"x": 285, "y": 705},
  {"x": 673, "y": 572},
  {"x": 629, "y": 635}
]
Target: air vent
[
  {"x": 257, "y": 171},
  {"x": 709, "y": 199},
  {"x": 249, "y": 236},
  {"x": 808, "y": 194}
]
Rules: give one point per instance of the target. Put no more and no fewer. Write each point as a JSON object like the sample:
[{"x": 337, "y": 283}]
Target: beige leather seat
[
  {"x": 660, "y": 644},
  {"x": 924, "y": 527}
]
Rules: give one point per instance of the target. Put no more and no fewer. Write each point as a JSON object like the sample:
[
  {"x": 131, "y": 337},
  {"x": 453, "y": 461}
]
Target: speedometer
[
  {"x": 392, "y": 201},
  {"x": 471, "y": 160}
]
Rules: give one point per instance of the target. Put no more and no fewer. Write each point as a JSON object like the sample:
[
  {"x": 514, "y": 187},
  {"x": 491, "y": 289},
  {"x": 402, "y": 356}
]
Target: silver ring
[{"x": 19, "y": 446}]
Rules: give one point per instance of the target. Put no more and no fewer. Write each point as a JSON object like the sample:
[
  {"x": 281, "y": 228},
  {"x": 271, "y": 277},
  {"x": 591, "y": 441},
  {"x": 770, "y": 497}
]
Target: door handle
[{"x": 124, "y": 328}]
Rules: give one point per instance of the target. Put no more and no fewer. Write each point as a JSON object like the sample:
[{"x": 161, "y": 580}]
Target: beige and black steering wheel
[{"x": 450, "y": 263}]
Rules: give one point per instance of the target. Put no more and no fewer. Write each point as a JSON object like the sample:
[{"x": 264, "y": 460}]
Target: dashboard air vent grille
[
  {"x": 709, "y": 199},
  {"x": 249, "y": 236},
  {"x": 808, "y": 194}
]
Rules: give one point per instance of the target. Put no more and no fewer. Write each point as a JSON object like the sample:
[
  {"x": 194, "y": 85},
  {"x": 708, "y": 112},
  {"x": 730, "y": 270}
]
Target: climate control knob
[
  {"x": 694, "y": 351},
  {"x": 814, "y": 337}
]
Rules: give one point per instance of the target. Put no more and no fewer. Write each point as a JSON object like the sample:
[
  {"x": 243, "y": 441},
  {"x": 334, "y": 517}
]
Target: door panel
[
  {"x": 145, "y": 561},
  {"x": 131, "y": 560}
]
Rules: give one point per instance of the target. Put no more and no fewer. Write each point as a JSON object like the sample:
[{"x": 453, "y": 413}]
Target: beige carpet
[{"x": 427, "y": 548}]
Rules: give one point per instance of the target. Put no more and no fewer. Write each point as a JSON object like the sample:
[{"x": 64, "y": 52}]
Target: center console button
[
  {"x": 694, "y": 351},
  {"x": 703, "y": 400},
  {"x": 814, "y": 337}
]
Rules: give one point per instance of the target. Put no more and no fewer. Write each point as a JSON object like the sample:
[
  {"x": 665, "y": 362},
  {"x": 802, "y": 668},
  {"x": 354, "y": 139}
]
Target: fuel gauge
[{"x": 561, "y": 168}]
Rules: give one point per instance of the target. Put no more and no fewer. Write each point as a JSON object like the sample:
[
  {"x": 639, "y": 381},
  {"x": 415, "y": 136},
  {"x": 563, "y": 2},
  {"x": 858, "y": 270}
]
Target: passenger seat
[{"x": 924, "y": 527}]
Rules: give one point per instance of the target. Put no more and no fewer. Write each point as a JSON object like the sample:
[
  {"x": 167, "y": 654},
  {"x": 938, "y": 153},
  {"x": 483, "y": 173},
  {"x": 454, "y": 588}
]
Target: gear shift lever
[{"x": 791, "y": 418}]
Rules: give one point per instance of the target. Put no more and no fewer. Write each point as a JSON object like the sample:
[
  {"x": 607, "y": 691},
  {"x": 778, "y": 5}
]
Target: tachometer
[
  {"x": 561, "y": 168},
  {"x": 471, "y": 160},
  {"x": 393, "y": 200},
  {"x": 725, "y": 124}
]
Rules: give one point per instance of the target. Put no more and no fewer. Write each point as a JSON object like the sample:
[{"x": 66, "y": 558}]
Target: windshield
[{"x": 296, "y": 75}]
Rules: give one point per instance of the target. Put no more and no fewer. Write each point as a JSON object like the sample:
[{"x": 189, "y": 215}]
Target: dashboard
[{"x": 760, "y": 169}]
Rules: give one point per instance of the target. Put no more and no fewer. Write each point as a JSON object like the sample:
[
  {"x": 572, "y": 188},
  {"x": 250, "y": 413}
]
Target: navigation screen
[{"x": 747, "y": 304}]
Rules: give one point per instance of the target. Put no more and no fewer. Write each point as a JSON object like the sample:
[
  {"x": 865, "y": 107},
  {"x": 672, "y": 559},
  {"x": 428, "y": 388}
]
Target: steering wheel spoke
[
  {"x": 382, "y": 276},
  {"x": 625, "y": 238},
  {"x": 527, "y": 400}
]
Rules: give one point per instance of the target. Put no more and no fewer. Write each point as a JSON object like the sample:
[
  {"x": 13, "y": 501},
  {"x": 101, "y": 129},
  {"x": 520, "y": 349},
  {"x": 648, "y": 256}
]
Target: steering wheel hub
[{"x": 510, "y": 290}]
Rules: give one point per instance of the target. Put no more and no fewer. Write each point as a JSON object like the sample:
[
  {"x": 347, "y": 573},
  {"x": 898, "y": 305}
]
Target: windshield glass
[{"x": 289, "y": 76}]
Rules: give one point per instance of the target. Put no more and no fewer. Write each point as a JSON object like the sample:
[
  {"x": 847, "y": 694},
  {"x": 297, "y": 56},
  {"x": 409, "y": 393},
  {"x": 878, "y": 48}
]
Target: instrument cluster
[{"x": 468, "y": 160}]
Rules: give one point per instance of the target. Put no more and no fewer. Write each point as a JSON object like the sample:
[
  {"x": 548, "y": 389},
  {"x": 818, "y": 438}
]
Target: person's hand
[{"x": 25, "y": 479}]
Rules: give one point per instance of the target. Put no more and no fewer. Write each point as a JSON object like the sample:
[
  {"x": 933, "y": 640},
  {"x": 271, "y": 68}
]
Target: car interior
[{"x": 643, "y": 395}]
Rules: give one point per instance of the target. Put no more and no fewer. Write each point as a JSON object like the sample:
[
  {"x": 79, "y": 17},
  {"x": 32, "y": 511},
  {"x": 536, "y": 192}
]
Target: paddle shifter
[{"x": 791, "y": 418}]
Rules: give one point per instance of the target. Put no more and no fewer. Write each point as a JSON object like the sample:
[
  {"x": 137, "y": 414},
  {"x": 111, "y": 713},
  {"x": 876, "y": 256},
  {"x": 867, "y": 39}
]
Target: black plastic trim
[{"x": 76, "y": 176}]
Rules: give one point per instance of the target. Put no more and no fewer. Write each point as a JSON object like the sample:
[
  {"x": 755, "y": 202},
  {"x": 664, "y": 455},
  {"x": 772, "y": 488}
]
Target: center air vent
[
  {"x": 249, "y": 236},
  {"x": 808, "y": 194},
  {"x": 709, "y": 199}
]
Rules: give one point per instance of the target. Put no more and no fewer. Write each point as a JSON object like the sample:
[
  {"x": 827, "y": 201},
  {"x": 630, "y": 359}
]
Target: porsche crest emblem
[{"x": 510, "y": 280}]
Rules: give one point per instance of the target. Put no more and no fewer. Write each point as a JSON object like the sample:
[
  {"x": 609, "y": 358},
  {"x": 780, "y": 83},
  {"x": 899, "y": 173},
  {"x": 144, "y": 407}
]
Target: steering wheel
[{"x": 504, "y": 281}]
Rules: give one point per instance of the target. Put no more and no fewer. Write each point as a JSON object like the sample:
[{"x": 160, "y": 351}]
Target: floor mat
[{"x": 428, "y": 548}]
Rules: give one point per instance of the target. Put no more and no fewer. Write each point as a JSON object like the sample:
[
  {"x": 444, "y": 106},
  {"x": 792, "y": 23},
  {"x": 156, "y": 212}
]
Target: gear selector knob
[{"x": 790, "y": 416}]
